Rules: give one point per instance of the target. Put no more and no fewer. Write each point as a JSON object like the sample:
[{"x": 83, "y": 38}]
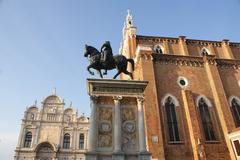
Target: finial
[
  {"x": 71, "y": 104},
  {"x": 128, "y": 12},
  {"x": 129, "y": 20},
  {"x": 54, "y": 92},
  {"x": 35, "y": 103}
]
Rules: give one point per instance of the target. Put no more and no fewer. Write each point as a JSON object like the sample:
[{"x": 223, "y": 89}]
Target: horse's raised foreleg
[
  {"x": 88, "y": 68},
  {"x": 100, "y": 73},
  {"x": 116, "y": 74}
]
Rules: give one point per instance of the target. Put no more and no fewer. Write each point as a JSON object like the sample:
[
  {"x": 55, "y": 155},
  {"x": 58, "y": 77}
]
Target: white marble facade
[{"x": 52, "y": 132}]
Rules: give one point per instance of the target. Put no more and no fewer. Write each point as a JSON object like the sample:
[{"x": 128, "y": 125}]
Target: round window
[{"x": 182, "y": 82}]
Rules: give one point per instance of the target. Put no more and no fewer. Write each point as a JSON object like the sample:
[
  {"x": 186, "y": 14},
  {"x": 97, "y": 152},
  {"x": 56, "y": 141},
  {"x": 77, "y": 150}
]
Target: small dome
[
  {"x": 52, "y": 99},
  {"x": 68, "y": 111},
  {"x": 83, "y": 118},
  {"x": 33, "y": 108}
]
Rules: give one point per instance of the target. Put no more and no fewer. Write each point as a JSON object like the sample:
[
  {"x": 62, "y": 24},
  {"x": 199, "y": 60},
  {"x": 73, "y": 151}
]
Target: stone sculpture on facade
[{"x": 105, "y": 60}]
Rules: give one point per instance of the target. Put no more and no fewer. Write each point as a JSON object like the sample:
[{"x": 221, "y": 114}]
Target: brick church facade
[{"x": 192, "y": 102}]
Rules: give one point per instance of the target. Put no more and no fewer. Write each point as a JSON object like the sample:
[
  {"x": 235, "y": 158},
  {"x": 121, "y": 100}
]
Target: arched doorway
[{"x": 44, "y": 151}]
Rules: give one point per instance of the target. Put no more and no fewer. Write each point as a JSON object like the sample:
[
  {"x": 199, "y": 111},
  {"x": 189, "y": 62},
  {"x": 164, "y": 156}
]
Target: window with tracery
[
  {"x": 28, "y": 140},
  {"x": 236, "y": 111},
  {"x": 204, "y": 52},
  {"x": 172, "y": 120},
  {"x": 66, "y": 141},
  {"x": 81, "y": 141},
  {"x": 206, "y": 120},
  {"x": 159, "y": 50}
]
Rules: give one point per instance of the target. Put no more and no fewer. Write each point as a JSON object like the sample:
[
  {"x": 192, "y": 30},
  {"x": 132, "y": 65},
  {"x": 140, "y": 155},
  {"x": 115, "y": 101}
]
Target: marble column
[
  {"x": 21, "y": 136},
  {"x": 141, "y": 125},
  {"x": 92, "y": 136},
  {"x": 117, "y": 124},
  {"x": 143, "y": 153},
  {"x": 117, "y": 152}
]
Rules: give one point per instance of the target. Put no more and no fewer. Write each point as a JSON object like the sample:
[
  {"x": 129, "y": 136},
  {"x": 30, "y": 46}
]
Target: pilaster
[
  {"x": 152, "y": 113},
  {"x": 183, "y": 46},
  {"x": 20, "y": 137},
  {"x": 220, "y": 101},
  {"x": 227, "y": 52},
  {"x": 191, "y": 115}
]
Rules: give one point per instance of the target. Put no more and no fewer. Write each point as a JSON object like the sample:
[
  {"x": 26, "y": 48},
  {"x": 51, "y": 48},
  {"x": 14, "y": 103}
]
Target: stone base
[
  {"x": 144, "y": 156},
  {"x": 118, "y": 156},
  {"x": 91, "y": 156}
]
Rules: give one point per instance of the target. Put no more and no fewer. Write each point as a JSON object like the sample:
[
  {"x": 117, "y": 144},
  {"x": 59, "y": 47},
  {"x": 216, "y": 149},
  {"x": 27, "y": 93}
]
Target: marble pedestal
[
  {"x": 118, "y": 156},
  {"x": 144, "y": 156},
  {"x": 117, "y": 126},
  {"x": 91, "y": 156}
]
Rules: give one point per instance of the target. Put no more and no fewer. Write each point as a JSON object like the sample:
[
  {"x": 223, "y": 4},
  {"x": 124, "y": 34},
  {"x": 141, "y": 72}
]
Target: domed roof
[
  {"x": 52, "y": 99},
  {"x": 32, "y": 108}
]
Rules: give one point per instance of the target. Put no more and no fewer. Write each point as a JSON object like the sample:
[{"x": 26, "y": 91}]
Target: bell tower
[{"x": 128, "y": 45}]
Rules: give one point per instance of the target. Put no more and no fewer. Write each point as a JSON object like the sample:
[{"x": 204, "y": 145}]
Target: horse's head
[
  {"x": 90, "y": 51},
  {"x": 86, "y": 53}
]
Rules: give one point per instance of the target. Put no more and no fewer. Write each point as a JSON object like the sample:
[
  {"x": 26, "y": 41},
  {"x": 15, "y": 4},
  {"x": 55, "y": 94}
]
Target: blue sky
[{"x": 41, "y": 45}]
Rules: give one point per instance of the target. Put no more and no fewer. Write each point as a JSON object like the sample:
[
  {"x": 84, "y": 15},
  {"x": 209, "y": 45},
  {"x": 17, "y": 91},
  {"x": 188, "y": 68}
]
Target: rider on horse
[{"x": 107, "y": 55}]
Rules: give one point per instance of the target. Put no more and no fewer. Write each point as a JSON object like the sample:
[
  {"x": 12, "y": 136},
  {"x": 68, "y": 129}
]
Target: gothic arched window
[
  {"x": 172, "y": 120},
  {"x": 236, "y": 111},
  {"x": 158, "y": 49},
  {"x": 204, "y": 52},
  {"x": 81, "y": 141},
  {"x": 66, "y": 141},
  {"x": 28, "y": 140},
  {"x": 206, "y": 120}
]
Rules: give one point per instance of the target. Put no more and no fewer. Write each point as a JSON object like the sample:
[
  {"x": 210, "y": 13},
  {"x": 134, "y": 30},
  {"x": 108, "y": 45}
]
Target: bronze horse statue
[{"x": 117, "y": 61}]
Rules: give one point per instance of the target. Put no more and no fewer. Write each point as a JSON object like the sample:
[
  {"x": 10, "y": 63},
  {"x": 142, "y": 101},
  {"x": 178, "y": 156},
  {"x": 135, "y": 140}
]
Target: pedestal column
[
  {"x": 143, "y": 153},
  {"x": 93, "y": 130},
  {"x": 141, "y": 125},
  {"x": 117, "y": 152},
  {"x": 92, "y": 136},
  {"x": 117, "y": 124}
]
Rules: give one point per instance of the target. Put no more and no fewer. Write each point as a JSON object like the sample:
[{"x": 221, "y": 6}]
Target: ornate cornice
[
  {"x": 195, "y": 61},
  {"x": 228, "y": 64},
  {"x": 203, "y": 42},
  {"x": 152, "y": 39},
  {"x": 178, "y": 60},
  {"x": 233, "y": 44}
]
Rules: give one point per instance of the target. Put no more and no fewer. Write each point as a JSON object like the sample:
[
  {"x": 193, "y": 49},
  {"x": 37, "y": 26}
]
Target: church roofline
[{"x": 188, "y": 40}]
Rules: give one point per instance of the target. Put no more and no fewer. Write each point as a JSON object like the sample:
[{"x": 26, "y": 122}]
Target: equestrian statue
[{"x": 106, "y": 61}]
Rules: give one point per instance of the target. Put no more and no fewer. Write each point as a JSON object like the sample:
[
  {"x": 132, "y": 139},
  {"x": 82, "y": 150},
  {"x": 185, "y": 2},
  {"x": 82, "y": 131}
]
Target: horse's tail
[{"x": 132, "y": 62}]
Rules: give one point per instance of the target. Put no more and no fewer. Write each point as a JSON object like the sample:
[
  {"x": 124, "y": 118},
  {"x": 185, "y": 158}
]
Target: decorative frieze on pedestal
[
  {"x": 129, "y": 134},
  {"x": 105, "y": 127},
  {"x": 117, "y": 130}
]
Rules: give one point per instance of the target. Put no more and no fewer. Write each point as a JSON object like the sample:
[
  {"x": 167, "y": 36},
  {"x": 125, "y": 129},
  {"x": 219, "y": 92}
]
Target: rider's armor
[{"x": 106, "y": 51}]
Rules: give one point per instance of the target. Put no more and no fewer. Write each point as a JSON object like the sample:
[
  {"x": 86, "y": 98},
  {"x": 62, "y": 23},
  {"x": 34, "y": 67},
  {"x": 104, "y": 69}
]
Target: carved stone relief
[
  {"x": 105, "y": 127},
  {"x": 129, "y": 136}
]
